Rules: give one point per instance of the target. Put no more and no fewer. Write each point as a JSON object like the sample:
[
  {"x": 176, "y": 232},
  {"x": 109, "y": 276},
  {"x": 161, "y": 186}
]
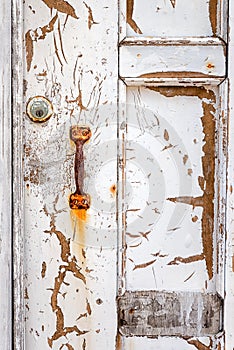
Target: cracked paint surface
[
  {"x": 70, "y": 263},
  {"x": 172, "y": 18},
  {"x": 67, "y": 262}
]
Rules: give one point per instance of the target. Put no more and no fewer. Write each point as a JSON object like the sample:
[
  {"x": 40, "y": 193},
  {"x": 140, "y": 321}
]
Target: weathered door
[{"x": 124, "y": 174}]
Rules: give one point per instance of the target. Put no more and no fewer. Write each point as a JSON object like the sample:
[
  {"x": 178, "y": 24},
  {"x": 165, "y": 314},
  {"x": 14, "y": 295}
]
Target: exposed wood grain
[
  {"x": 130, "y": 20},
  {"x": 5, "y": 178},
  {"x": 62, "y": 6}
]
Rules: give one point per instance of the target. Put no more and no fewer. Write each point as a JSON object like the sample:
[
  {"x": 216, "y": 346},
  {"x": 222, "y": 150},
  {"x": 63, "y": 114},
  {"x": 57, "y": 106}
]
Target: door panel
[
  {"x": 174, "y": 160},
  {"x": 170, "y": 218},
  {"x": 173, "y": 18},
  {"x": 70, "y": 255}
]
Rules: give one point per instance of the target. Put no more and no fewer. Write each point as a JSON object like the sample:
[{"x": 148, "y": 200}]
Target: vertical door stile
[
  {"x": 229, "y": 267},
  {"x": 5, "y": 178},
  {"x": 18, "y": 174}
]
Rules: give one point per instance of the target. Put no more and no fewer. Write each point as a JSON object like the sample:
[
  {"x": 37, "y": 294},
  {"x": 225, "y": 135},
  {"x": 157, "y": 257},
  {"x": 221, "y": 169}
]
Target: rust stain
[
  {"x": 79, "y": 218},
  {"x": 194, "y": 218},
  {"x": 84, "y": 344},
  {"x": 142, "y": 266},
  {"x": 90, "y": 16},
  {"x": 69, "y": 265},
  {"x": 113, "y": 190},
  {"x": 61, "y": 6},
  {"x": 210, "y": 65},
  {"x": 33, "y": 176},
  {"x": 206, "y": 201},
  {"x": 43, "y": 269},
  {"x": 79, "y": 135},
  {"x": 130, "y": 20},
  {"x": 34, "y": 35},
  {"x": 213, "y": 15}
]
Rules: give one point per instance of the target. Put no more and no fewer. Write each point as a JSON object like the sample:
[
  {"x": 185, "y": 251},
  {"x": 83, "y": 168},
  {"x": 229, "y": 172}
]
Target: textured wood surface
[
  {"x": 151, "y": 313},
  {"x": 5, "y": 177}
]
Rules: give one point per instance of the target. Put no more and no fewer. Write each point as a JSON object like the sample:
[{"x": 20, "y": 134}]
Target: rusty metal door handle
[{"x": 79, "y": 135}]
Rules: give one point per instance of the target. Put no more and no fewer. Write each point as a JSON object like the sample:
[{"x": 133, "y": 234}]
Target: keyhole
[
  {"x": 39, "y": 113},
  {"x": 39, "y": 109}
]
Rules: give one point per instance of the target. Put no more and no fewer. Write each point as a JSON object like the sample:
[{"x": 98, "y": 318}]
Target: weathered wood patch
[{"x": 154, "y": 313}]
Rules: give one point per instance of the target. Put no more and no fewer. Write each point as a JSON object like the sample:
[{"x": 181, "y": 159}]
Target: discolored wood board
[{"x": 153, "y": 313}]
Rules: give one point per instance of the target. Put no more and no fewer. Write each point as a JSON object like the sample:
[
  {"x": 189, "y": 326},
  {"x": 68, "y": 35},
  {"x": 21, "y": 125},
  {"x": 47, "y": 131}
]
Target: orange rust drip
[
  {"x": 79, "y": 219},
  {"x": 130, "y": 20},
  {"x": 113, "y": 190},
  {"x": 213, "y": 15},
  {"x": 208, "y": 166}
]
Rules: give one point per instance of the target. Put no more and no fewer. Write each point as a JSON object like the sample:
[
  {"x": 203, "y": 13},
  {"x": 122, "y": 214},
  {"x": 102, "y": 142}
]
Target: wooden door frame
[
  {"x": 11, "y": 131},
  {"x": 5, "y": 178},
  {"x": 17, "y": 173}
]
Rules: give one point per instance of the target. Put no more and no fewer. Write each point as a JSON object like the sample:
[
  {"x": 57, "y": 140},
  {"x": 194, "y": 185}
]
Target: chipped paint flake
[
  {"x": 130, "y": 20},
  {"x": 91, "y": 21},
  {"x": 61, "y": 6},
  {"x": 69, "y": 265},
  {"x": 34, "y": 35}
]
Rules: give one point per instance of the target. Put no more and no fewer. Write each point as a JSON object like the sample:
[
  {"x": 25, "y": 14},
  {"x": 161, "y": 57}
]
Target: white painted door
[{"x": 142, "y": 265}]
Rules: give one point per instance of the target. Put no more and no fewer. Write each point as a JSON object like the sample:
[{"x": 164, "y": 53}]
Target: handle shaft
[{"x": 79, "y": 135}]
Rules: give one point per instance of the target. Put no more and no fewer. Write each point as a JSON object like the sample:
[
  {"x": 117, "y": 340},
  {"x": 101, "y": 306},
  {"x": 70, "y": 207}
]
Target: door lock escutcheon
[
  {"x": 79, "y": 135},
  {"x": 39, "y": 109}
]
